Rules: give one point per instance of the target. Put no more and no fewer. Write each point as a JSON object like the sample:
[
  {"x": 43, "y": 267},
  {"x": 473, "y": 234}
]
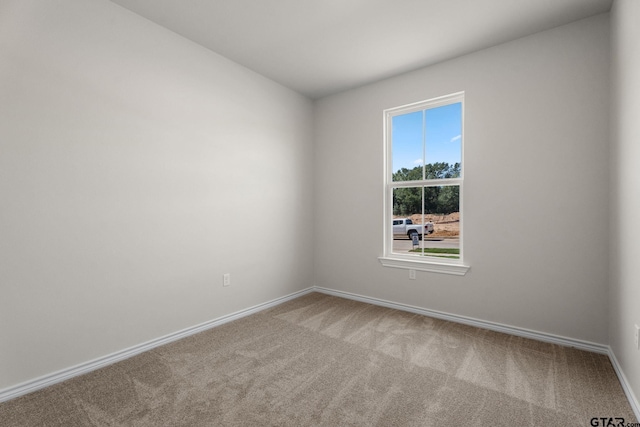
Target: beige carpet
[{"x": 322, "y": 360}]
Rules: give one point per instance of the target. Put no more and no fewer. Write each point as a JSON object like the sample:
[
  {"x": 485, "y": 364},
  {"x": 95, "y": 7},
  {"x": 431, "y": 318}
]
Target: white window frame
[{"x": 412, "y": 262}]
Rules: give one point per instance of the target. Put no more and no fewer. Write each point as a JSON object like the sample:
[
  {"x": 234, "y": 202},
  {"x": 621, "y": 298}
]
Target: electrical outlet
[
  {"x": 412, "y": 274},
  {"x": 226, "y": 279},
  {"x": 637, "y": 337}
]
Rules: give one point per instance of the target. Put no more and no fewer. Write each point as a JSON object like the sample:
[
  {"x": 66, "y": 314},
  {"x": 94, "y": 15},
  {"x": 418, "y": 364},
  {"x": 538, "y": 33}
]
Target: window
[{"x": 424, "y": 174}]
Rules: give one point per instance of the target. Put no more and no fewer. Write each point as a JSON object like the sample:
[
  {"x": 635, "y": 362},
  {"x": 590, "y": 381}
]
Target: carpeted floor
[{"x": 322, "y": 360}]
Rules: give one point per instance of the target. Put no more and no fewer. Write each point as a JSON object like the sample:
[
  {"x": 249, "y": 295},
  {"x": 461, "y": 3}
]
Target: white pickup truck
[{"x": 404, "y": 227}]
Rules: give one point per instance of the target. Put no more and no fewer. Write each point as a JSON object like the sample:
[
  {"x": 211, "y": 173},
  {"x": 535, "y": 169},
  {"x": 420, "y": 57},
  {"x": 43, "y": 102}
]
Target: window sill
[{"x": 423, "y": 265}]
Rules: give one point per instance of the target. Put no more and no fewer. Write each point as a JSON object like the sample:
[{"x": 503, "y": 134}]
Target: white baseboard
[
  {"x": 521, "y": 332},
  {"x": 511, "y": 330},
  {"x": 83, "y": 368},
  {"x": 631, "y": 397}
]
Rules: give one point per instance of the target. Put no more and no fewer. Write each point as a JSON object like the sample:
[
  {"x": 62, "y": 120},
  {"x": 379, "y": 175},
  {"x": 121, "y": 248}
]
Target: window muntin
[{"x": 423, "y": 181}]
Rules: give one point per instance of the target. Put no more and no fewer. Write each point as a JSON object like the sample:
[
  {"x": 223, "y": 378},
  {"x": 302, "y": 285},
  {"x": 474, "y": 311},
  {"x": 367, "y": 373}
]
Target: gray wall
[
  {"x": 135, "y": 169},
  {"x": 625, "y": 187},
  {"x": 536, "y": 184}
]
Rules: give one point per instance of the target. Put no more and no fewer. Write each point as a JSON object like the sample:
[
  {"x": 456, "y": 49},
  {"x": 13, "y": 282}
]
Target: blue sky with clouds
[{"x": 442, "y": 133}]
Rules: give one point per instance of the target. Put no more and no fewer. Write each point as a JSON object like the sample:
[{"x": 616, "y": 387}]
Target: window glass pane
[
  {"x": 441, "y": 200},
  {"x": 407, "y": 202},
  {"x": 443, "y": 135},
  {"x": 407, "y": 146},
  {"x": 433, "y": 214},
  {"x": 407, "y": 214}
]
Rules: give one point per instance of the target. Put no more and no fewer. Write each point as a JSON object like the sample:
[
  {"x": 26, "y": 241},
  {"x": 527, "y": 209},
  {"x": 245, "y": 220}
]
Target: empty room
[{"x": 305, "y": 212}]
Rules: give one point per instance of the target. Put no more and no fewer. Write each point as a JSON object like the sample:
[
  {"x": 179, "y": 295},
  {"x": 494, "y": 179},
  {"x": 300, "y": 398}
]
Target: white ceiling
[{"x": 320, "y": 47}]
